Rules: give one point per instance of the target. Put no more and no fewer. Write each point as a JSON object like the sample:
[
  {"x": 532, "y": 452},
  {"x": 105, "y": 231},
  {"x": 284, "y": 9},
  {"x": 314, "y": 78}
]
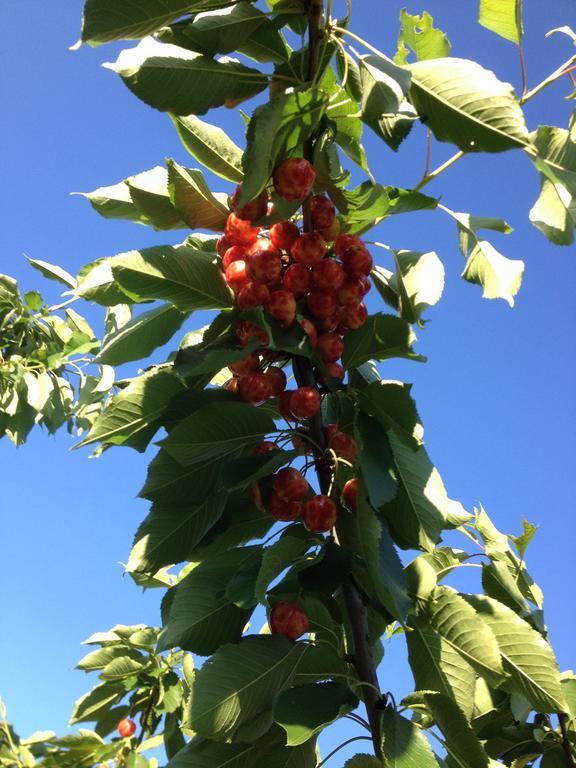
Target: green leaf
[
  {"x": 376, "y": 460},
  {"x": 462, "y": 744},
  {"x": 384, "y": 86},
  {"x": 170, "y": 533},
  {"x": 149, "y": 193},
  {"x": 91, "y": 705},
  {"x": 503, "y": 17},
  {"x": 308, "y": 709},
  {"x": 363, "y": 761},
  {"x": 526, "y": 656},
  {"x": 217, "y": 430},
  {"x": 104, "y": 21},
  {"x": 465, "y": 104},
  {"x": 404, "y": 744},
  {"x": 498, "y": 582},
  {"x": 461, "y": 627},
  {"x": 96, "y": 283},
  {"x": 169, "y": 485},
  {"x": 135, "y": 411},
  {"x": 418, "y": 34},
  {"x": 103, "y": 656},
  {"x": 122, "y": 667},
  {"x": 276, "y": 129},
  {"x": 419, "y": 512},
  {"x": 382, "y": 337},
  {"x": 437, "y": 666},
  {"x": 172, "y": 79},
  {"x": 141, "y": 336},
  {"x": 419, "y": 282},
  {"x": 191, "y": 196},
  {"x": 499, "y": 277},
  {"x": 242, "y": 472},
  {"x": 198, "y": 616},
  {"x": 277, "y": 557},
  {"x": 53, "y": 272},
  {"x": 187, "y": 278},
  {"x": 200, "y": 753},
  {"x": 391, "y": 403},
  {"x": 211, "y": 146},
  {"x": 240, "y": 684}
]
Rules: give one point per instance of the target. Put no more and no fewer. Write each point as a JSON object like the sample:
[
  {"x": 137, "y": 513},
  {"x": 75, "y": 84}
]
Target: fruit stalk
[{"x": 363, "y": 659}]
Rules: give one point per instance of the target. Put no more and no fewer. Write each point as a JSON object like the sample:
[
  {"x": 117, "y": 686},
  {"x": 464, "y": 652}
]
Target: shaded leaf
[
  {"x": 382, "y": 337},
  {"x": 308, "y": 709},
  {"x": 404, "y": 744},
  {"x": 211, "y": 146},
  {"x": 192, "y": 198}
]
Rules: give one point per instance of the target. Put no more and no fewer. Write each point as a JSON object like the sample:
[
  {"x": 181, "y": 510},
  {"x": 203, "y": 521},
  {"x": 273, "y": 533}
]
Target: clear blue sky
[{"x": 497, "y": 395}]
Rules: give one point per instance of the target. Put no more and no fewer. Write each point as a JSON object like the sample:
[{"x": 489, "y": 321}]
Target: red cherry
[
  {"x": 294, "y": 178},
  {"x": 248, "y": 364},
  {"x": 266, "y": 447},
  {"x": 288, "y": 620},
  {"x": 329, "y": 431},
  {"x": 252, "y": 295},
  {"x": 232, "y": 386},
  {"x": 282, "y": 306},
  {"x": 319, "y": 514},
  {"x": 366, "y": 284},
  {"x": 343, "y": 446},
  {"x": 282, "y": 510},
  {"x": 234, "y": 253},
  {"x": 284, "y": 407},
  {"x": 254, "y": 388},
  {"x": 350, "y": 494},
  {"x": 246, "y": 331},
  {"x": 328, "y": 324},
  {"x": 222, "y": 245},
  {"x": 289, "y": 485},
  {"x": 236, "y": 276},
  {"x": 256, "y": 496},
  {"x": 277, "y": 380},
  {"x": 264, "y": 263},
  {"x": 351, "y": 292},
  {"x": 298, "y": 279},
  {"x": 126, "y": 728},
  {"x": 353, "y": 316},
  {"x": 309, "y": 249},
  {"x": 357, "y": 261},
  {"x": 332, "y": 232},
  {"x": 330, "y": 346},
  {"x": 253, "y": 210},
  {"x": 323, "y": 212},
  {"x": 283, "y": 234},
  {"x": 322, "y": 303},
  {"x": 336, "y": 370},
  {"x": 343, "y": 242},
  {"x": 310, "y": 330},
  {"x": 240, "y": 232},
  {"x": 328, "y": 274},
  {"x": 305, "y": 402}
]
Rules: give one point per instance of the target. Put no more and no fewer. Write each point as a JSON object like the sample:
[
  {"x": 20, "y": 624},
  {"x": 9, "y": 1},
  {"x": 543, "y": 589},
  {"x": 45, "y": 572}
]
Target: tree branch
[{"x": 562, "y": 719}]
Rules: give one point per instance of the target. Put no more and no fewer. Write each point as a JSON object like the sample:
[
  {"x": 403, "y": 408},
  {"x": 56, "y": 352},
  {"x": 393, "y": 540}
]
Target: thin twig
[
  {"x": 562, "y": 70},
  {"x": 562, "y": 719},
  {"x": 344, "y": 744},
  {"x": 441, "y": 168}
]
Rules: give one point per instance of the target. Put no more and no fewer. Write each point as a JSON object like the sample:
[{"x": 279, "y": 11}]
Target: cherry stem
[{"x": 364, "y": 662}]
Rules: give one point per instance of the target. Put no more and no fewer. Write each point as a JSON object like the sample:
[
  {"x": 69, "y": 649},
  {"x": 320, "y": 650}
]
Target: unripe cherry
[
  {"x": 294, "y": 178},
  {"x": 246, "y": 331},
  {"x": 319, "y": 514},
  {"x": 289, "y": 485},
  {"x": 353, "y": 316},
  {"x": 252, "y": 295},
  {"x": 265, "y": 447},
  {"x": 330, "y": 346},
  {"x": 328, "y": 274},
  {"x": 322, "y": 303},
  {"x": 264, "y": 263},
  {"x": 255, "y": 209},
  {"x": 222, "y": 245},
  {"x": 288, "y": 620},
  {"x": 298, "y": 279},
  {"x": 234, "y": 253},
  {"x": 282, "y": 306},
  {"x": 283, "y": 234},
  {"x": 305, "y": 402},
  {"x": 277, "y": 380},
  {"x": 254, "y": 388},
  {"x": 240, "y": 232},
  {"x": 126, "y": 728},
  {"x": 310, "y": 330},
  {"x": 322, "y": 211},
  {"x": 350, "y": 494},
  {"x": 309, "y": 249},
  {"x": 248, "y": 364},
  {"x": 351, "y": 292},
  {"x": 357, "y": 261},
  {"x": 344, "y": 446},
  {"x": 236, "y": 276},
  {"x": 282, "y": 510},
  {"x": 343, "y": 242}
]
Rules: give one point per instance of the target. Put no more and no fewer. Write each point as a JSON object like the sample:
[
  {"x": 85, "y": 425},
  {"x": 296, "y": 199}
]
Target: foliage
[{"x": 487, "y": 686}]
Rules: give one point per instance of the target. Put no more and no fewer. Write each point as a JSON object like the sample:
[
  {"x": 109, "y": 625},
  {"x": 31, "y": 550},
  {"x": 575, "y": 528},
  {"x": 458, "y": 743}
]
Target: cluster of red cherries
[{"x": 318, "y": 278}]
